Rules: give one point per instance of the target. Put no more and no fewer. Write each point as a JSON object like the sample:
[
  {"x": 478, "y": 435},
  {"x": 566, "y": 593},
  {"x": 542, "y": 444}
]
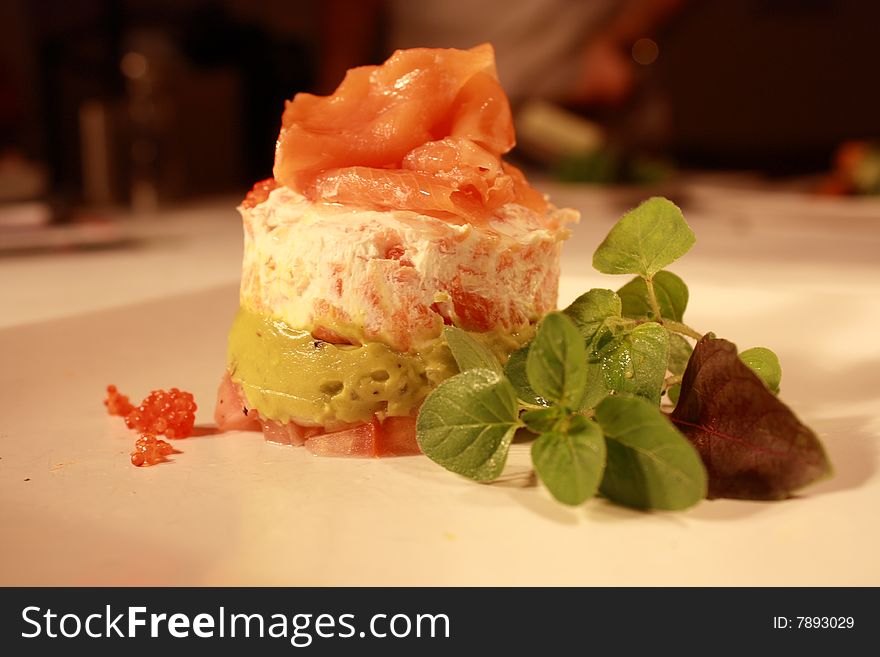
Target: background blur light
[
  {"x": 145, "y": 103},
  {"x": 645, "y": 51}
]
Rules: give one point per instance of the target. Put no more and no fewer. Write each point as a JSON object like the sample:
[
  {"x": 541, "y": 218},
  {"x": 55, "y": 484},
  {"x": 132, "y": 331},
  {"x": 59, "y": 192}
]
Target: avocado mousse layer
[{"x": 287, "y": 375}]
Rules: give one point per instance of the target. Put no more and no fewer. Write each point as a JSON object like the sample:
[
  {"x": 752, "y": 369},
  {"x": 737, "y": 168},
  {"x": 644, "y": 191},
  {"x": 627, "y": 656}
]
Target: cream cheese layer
[{"x": 396, "y": 277}]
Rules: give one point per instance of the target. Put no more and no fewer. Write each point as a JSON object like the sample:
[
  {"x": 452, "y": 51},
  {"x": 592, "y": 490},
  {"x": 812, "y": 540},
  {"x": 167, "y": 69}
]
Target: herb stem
[
  {"x": 652, "y": 299},
  {"x": 672, "y": 380},
  {"x": 678, "y": 327}
]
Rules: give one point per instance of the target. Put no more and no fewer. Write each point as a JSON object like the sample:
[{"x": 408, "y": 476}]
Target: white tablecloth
[{"x": 799, "y": 275}]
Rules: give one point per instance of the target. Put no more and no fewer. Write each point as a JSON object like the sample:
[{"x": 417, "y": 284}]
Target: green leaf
[
  {"x": 571, "y": 464},
  {"x": 679, "y": 353},
  {"x": 650, "y": 464},
  {"x": 673, "y": 392},
  {"x": 556, "y": 364},
  {"x": 635, "y": 362},
  {"x": 515, "y": 371},
  {"x": 671, "y": 293},
  {"x": 468, "y": 353},
  {"x": 467, "y": 422},
  {"x": 645, "y": 240},
  {"x": 541, "y": 420},
  {"x": 591, "y": 311},
  {"x": 595, "y": 389},
  {"x": 765, "y": 364}
]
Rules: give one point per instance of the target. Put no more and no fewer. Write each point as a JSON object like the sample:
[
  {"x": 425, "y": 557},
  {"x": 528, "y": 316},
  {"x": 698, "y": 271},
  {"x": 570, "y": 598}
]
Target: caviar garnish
[
  {"x": 149, "y": 450},
  {"x": 164, "y": 413},
  {"x": 116, "y": 403},
  {"x": 259, "y": 193},
  {"x": 171, "y": 413}
]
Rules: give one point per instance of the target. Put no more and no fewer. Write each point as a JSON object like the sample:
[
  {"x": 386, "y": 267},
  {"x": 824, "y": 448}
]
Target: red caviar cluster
[
  {"x": 116, "y": 403},
  {"x": 171, "y": 413},
  {"x": 149, "y": 450}
]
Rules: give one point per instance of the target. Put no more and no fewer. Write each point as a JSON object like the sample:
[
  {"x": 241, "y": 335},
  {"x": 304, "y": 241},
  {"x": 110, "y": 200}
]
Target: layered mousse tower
[{"x": 390, "y": 215}]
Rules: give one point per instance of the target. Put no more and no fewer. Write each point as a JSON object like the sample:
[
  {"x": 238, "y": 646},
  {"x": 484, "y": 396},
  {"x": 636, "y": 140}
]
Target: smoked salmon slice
[{"x": 425, "y": 131}]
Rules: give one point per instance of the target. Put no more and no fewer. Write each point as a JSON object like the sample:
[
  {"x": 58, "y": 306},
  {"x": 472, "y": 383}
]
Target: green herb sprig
[{"x": 589, "y": 386}]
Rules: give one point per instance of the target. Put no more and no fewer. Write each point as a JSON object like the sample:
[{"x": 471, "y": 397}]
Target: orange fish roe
[
  {"x": 116, "y": 403},
  {"x": 259, "y": 193},
  {"x": 170, "y": 413},
  {"x": 148, "y": 450}
]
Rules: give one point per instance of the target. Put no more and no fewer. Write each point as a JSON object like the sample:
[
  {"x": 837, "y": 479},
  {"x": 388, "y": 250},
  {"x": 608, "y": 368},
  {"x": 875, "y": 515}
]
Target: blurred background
[{"x": 142, "y": 104}]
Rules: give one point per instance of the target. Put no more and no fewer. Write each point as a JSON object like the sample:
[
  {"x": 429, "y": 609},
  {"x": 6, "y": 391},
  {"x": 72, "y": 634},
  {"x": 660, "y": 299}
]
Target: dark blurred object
[
  {"x": 149, "y": 102},
  {"x": 771, "y": 85},
  {"x": 575, "y": 149},
  {"x": 76, "y": 58},
  {"x": 608, "y": 166},
  {"x": 22, "y": 194},
  {"x": 21, "y": 180},
  {"x": 757, "y": 84},
  {"x": 271, "y": 59},
  {"x": 548, "y": 133},
  {"x": 856, "y": 170}
]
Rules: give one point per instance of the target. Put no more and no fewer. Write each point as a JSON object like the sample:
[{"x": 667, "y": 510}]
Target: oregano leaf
[
  {"x": 679, "y": 353},
  {"x": 515, "y": 371},
  {"x": 671, "y": 292},
  {"x": 635, "y": 362},
  {"x": 542, "y": 420},
  {"x": 645, "y": 240},
  {"x": 468, "y": 353},
  {"x": 467, "y": 422},
  {"x": 595, "y": 388},
  {"x": 591, "y": 311},
  {"x": 651, "y": 465},
  {"x": 556, "y": 362},
  {"x": 570, "y": 464},
  {"x": 765, "y": 364}
]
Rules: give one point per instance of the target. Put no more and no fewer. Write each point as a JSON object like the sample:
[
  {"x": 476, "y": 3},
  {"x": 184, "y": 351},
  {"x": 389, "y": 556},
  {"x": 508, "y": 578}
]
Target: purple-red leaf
[{"x": 753, "y": 446}]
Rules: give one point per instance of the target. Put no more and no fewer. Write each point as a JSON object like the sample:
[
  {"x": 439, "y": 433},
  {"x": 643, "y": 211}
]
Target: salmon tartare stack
[{"x": 390, "y": 215}]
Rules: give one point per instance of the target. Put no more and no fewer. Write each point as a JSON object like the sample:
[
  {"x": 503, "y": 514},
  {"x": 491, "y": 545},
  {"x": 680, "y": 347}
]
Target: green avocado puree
[{"x": 286, "y": 374}]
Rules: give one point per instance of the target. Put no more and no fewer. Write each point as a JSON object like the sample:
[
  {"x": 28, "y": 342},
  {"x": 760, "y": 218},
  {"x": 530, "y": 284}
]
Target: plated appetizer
[
  {"x": 391, "y": 214},
  {"x": 398, "y": 296}
]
